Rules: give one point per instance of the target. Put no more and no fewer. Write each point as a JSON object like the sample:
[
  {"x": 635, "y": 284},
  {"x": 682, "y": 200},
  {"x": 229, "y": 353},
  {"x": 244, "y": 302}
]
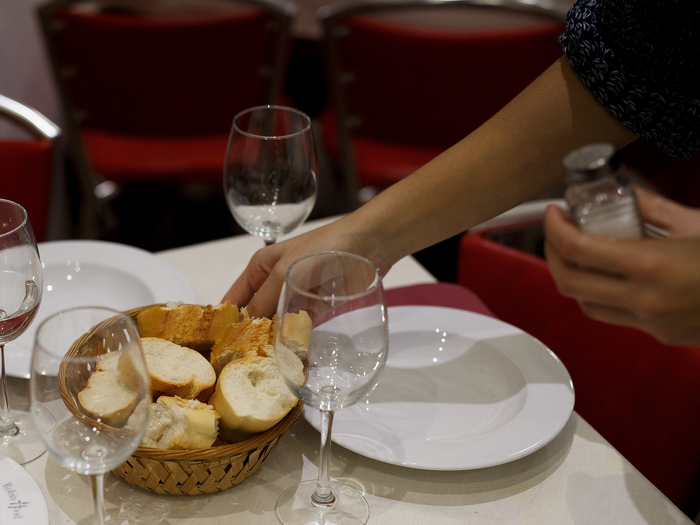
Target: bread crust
[
  {"x": 295, "y": 332},
  {"x": 188, "y": 325},
  {"x": 253, "y": 337},
  {"x": 245, "y": 339}
]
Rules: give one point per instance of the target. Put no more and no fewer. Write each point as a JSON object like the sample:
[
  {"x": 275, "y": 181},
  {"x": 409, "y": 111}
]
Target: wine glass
[
  {"x": 21, "y": 283},
  {"x": 343, "y": 295},
  {"x": 88, "y": 372},
  {"x": 270, "y": 170}
]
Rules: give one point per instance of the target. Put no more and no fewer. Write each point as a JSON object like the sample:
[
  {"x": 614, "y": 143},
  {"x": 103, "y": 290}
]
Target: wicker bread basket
[{"x": 181, "y": 472}]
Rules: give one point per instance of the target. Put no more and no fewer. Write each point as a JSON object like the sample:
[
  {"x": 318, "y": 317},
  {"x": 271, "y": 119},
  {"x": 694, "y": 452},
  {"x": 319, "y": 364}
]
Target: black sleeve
[{"x": 641, "y": 60}]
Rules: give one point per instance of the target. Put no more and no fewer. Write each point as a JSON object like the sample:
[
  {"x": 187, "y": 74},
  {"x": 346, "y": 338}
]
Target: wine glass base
[
  {"x": 294, "y": 506},
  {"x": 25, "y": 445}
]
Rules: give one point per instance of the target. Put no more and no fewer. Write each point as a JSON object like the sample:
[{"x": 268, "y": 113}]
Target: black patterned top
[{"x": 641, "y": 60}]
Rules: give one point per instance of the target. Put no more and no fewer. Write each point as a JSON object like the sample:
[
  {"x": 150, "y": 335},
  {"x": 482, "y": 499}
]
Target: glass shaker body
[{"x": 601, "y": 198}]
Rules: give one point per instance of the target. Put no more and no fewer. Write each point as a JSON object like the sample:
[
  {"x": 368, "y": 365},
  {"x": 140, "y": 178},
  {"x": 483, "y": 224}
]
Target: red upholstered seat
[
  {"x": 377, "y": 163},
  {"x": 133, "y": 158},
  {"x": 27, "y": 167},
  {"x": 641, "y": 395},
  {"x": 404, "y": 92}
]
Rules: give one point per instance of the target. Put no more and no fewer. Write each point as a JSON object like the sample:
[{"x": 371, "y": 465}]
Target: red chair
[
  {"x": 641, "y": 395},
  {"x": 404, "y": 86},
  {"x": 28, "y": 165},
  {"x": 151, "y": 97}
]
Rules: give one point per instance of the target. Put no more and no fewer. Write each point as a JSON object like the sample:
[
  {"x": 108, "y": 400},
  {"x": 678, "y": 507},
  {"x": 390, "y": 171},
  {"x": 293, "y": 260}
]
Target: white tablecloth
[{"x": 577, "y": 479}]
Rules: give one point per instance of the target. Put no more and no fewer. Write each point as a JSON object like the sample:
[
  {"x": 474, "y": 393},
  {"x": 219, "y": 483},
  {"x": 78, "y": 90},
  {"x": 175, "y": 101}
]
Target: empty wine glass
[
  {"x": 270, "y": 170},
  {"x": 88, "y": 372},
  {"x": 21, "y": 284},
  {"x": 343, "y": 295}
]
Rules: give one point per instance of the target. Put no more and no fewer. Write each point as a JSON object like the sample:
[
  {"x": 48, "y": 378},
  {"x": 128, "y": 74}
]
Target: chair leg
[{"x": 97, "y": 218}]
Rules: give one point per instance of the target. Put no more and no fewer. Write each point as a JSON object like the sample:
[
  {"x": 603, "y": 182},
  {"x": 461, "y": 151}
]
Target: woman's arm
[{"x": 513, "y": 157}]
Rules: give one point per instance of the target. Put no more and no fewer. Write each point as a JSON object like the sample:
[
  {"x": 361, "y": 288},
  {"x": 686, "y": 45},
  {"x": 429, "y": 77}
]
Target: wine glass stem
[
  {"x": 268, "y": 242},
  {"x": 97, "y": 486},
  {"x": 323, "y": 495},
  {"x": 7, "y": 424}
]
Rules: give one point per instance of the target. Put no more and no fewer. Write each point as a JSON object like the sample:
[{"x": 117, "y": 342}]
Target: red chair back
[
  {"x": 150, "y": 97},
  {"x": 408, "y": 86},
  {"x": 26, "y": 167},
  {"x": 166, "y": 75},
  {"x": 641, "y": 395},
  {"x": 428, "y": 87}
]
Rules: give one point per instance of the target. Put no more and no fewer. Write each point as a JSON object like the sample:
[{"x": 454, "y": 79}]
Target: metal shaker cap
[{"x": 591, "y": 162}]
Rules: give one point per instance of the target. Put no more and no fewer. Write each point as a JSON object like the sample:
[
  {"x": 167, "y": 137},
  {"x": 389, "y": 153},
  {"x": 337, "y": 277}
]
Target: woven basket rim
[{"x": 223, "y": 451}]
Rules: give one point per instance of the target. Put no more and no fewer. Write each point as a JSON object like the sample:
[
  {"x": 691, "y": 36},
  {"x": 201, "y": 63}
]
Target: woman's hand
[
  {"x": 260, "y": 284},
  {"x": 650, "y": 284}
]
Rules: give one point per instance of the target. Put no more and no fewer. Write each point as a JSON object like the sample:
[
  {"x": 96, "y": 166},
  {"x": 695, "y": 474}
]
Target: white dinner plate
[
  {"x": 21, "y": 500},
  {"x": 97, "y": 273},
  {"x": 460, "y": 391}
]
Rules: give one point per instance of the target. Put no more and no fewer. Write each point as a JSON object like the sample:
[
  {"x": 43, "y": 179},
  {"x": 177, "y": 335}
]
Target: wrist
[{"x": 370, "y": 233}]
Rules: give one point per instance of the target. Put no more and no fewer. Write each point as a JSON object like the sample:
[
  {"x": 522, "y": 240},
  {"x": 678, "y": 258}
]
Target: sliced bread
[
  {"x": 181, "y": 424},
  {"x": 245, "y": 339},
  {"x": 176, "y": 370},
  {"x": 295, "y": 332},
  {"x": 188, "y": 325},
  {"x": 107, "y": 396},
  {"x": 251, "y": 396}
]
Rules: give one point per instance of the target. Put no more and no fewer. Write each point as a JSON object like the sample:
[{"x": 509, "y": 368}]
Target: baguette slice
[
  {"x": 176, "y": 370},
  {"x": 253, "y": 337},
  {"x": 107, "y": 396},
  {"x": 187, "y": 324},
  {"x": 245, "y": 339},
  {"x": 108, "y": 362},
  {"x": 251, "y": 396},
  {"x": 296, "y": 332},
  {"x": 181, "y": 424}
]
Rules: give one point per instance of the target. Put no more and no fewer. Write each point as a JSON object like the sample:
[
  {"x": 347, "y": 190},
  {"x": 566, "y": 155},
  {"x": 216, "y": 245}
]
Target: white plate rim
[
  {"x": 495, "y": 458},
  {"x": 162, "y": 279},
  {"x": 40, "y": 510}
]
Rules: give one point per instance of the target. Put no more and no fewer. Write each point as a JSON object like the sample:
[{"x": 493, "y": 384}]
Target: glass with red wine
[{"x": 21, "y": 285}]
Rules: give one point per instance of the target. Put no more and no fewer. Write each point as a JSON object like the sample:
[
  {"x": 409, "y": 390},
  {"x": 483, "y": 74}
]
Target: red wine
[
  {"x": 11, "y": 327},
  {"x": 14, "y": 324}
]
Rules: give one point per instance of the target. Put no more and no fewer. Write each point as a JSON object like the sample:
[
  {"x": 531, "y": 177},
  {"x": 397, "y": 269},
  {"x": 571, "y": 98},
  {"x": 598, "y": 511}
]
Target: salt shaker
[{"x": 601, "y": 198}]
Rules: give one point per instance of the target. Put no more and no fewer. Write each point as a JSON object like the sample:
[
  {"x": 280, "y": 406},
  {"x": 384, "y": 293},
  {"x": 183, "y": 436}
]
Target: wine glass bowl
[
  {"x": 21, "y": 284},
  {"x": 347, "y": 351},
  {"x": 89, "y": 375},
  {"x": 270, "y": 170}
]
